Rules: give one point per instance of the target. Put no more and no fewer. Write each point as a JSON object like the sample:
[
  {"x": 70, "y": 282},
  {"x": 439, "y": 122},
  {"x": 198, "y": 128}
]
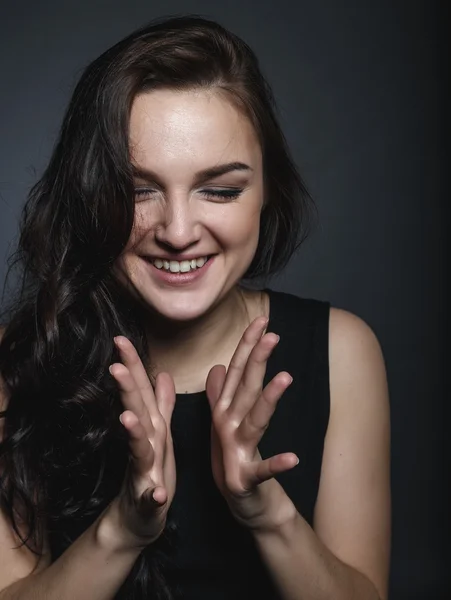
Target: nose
[{"x": 178, "y": 226}]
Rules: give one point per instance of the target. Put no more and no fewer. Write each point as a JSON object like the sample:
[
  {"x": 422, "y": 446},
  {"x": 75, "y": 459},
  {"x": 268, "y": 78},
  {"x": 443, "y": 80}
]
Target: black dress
[{"x": 214, "y": 558}]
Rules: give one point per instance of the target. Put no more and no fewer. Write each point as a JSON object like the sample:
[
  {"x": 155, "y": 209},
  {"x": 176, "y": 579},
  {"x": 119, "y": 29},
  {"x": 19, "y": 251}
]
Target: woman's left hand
[{"x": 241, "y": 411}]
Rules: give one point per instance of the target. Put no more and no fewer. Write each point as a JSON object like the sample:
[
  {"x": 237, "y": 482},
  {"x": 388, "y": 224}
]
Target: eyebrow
[{"x": 200, "y": 176}]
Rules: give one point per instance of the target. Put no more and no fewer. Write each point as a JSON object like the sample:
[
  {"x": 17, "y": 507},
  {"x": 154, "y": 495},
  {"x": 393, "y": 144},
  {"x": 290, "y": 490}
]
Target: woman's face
[{"x": 199, "y": 194}]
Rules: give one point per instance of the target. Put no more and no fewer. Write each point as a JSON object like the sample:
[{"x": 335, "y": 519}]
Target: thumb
[{"x": 215, "y": 383}]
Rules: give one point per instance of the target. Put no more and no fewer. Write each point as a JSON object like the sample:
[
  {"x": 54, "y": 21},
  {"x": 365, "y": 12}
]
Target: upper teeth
[{"x": 183, "y": 266}]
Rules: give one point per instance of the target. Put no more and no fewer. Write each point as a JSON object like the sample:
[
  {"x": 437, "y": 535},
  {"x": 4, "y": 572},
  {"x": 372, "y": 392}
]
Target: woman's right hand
[{"x": 149, "y": 484}]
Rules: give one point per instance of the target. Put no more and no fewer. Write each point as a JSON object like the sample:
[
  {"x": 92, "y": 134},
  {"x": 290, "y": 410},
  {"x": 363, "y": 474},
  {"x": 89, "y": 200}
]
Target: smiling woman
[
  {"x": 155, "y": 404},
  {"x": 201, "y": 199}
]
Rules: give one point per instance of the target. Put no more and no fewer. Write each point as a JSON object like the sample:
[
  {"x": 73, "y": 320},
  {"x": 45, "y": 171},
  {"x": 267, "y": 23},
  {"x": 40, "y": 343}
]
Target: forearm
[
  {"x": 303, "y": 568},
  {"x": 94, "y": 567}
]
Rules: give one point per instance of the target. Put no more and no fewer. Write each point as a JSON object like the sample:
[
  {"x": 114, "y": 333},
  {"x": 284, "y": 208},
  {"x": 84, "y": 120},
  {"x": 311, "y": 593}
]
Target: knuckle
[
  {"x": 270, "y": 400},
  {"x": 235, "y": 364},
  {"x": 225, "y": 424},
  {"x": 253, "y": 426}
]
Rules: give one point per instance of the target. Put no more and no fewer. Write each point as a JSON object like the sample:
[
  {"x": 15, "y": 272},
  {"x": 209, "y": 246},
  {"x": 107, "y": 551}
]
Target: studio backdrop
[{"x": 358, "y": 84}]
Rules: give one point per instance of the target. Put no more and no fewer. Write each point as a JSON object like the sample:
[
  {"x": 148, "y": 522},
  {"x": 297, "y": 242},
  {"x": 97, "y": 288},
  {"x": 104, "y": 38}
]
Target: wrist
[
  {"x": 111, "y": 535},
  {"x": 281, "y": 529},
  {"x": 281, "y": 525},
  {"x": 276, "y": 514}
]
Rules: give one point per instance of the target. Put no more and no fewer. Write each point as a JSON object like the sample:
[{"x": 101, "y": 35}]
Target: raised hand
[
  {"x": 241, "y": 411},
  {"x": 149, "y": 485}
]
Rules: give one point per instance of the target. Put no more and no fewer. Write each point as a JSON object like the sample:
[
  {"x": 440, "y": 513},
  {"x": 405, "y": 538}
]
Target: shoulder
[
  {"x": 354, "y": 352},
  {"x": 356, "y": 362},
  {"x": 348, "y": 329}
]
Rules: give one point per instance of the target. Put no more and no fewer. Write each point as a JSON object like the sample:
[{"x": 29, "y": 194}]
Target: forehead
[{"x": 196, "y": 127}]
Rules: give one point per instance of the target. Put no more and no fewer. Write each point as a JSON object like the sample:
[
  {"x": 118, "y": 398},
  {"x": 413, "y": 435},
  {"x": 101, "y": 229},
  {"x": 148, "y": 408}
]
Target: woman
[{"x": 143, "y": 454}]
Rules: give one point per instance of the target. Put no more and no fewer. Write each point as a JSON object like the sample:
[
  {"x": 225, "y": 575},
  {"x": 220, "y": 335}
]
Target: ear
[{"x": 215, "y": 382}]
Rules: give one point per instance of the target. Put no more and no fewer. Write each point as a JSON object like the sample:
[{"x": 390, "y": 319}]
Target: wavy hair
[{"x": 64, "y": 454}]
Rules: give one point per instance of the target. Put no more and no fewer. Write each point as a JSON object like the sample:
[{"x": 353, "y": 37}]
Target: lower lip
[{"x": 180, "y": 278}]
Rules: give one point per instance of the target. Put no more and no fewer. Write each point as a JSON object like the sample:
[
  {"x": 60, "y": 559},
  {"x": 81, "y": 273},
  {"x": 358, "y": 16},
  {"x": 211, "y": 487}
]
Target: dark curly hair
[{"x": 64, "y": 453}]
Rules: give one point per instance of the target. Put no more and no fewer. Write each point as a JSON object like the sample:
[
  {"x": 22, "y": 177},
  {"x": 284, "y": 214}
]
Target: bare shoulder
[
  {"x": 356, "y": 361},
  {"x": 352, "y": 512}
]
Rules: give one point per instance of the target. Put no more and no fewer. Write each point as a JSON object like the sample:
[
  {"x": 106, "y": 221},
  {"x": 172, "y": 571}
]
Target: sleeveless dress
[{"x": 214, "y": 557}]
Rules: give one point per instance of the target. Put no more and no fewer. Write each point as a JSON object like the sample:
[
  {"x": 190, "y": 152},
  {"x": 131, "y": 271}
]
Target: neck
[{"x": 187, "y": 351}]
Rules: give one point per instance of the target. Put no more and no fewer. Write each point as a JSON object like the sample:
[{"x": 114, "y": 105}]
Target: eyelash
[{"x": 226, "y": 194}]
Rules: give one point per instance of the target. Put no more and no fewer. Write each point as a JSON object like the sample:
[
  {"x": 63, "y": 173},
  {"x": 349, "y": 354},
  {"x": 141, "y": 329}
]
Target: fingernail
[
  {"x": 120, "y": 419},
  {"x": 278, "y": 339},
  {"x": 109, "y": 369}
]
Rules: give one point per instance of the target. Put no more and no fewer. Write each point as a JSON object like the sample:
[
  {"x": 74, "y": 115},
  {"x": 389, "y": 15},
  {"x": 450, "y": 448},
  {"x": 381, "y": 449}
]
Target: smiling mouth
[{"x": 175, "y": 266}]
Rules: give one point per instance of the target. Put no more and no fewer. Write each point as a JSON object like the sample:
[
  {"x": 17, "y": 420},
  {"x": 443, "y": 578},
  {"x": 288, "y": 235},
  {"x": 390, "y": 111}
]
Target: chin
[{"x": 181, "y": 307}]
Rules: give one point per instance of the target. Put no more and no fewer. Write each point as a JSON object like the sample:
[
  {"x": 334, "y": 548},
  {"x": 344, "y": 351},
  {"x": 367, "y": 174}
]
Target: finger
[
  {"x": 140, "y": 447},
  {"x": 237, "y": 365},
  {"x": 132, "y": 361},
  {"x": 131, "y": 396},
  {"x": 215, "y": 383},
  {"x": 261, "y": 471},
  {"x": 250, "y": 386},
  {"x": 257, "y": 420},
  {"x": 165, "y": 396}
]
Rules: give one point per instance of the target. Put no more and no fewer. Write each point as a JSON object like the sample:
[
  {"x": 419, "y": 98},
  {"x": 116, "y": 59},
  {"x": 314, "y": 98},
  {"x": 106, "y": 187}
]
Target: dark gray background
[{"x": 359, "y": 86}]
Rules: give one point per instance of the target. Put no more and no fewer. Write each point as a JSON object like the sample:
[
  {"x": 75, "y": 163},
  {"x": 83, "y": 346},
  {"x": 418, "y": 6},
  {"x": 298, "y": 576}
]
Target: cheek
[{"x": 241, "y": 230}]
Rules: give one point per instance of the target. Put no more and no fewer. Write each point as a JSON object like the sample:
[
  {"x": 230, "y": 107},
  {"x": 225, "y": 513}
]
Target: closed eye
[
  {"x": 223, "y": 194},
  {"x": 143, "y": 193}
]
